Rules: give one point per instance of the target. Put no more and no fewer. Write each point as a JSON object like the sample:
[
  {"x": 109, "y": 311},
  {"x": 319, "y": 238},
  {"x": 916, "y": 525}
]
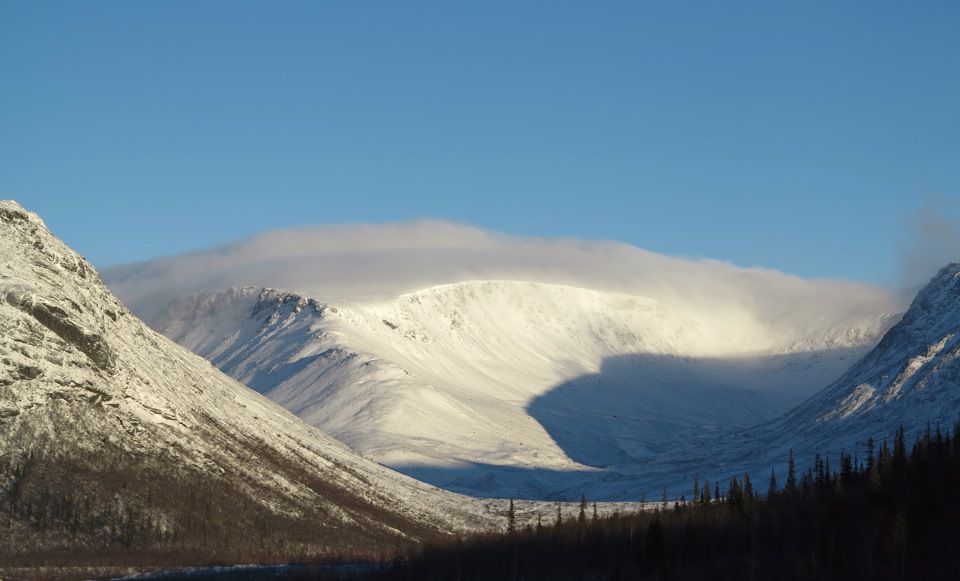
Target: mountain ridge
[
  {"x": 917, "y": 357},
  {"x": 909, "y": 379},
  {"x": 449, "y": 376},
  {"x": 95, "y": 405}
]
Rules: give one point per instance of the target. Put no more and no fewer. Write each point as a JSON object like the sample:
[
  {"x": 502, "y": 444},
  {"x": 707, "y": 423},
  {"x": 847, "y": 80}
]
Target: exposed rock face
[{"x": 59, "y": 321}]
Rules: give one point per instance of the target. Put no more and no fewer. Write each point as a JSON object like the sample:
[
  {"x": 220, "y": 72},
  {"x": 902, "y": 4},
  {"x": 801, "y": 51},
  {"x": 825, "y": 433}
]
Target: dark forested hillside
[{"x": 891, "y": 515}]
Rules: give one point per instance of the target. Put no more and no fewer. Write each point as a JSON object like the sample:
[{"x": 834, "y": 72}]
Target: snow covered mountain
[
  {"x": 127, "y": 439},
  {"x": 912, "y": 377},
  {"x": 503, "y": 388}
]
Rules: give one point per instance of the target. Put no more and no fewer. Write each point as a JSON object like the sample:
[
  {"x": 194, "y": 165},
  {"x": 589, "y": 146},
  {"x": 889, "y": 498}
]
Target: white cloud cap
[{"x": 359, "y": 263}]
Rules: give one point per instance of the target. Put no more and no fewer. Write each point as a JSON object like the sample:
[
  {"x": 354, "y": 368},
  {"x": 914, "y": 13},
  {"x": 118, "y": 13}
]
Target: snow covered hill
[
  {"x": 505, "y": 388},
  {"x": 912, "y": 377},
  {"x": 94, "y": 403}
]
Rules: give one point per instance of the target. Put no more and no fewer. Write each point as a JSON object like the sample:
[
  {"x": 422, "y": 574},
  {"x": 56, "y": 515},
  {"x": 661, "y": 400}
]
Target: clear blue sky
[{"x": 793, "y": 135}]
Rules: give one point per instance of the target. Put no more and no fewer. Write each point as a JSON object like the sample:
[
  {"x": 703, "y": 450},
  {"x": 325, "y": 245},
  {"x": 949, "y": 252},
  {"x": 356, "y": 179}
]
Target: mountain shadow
[
  {"x": 639, "y": 406},
  {"x": 645, "y": 422}
]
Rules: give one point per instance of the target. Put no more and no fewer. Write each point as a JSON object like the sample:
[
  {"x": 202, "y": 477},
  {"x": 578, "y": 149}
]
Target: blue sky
[{"x": 810, "y": 137}]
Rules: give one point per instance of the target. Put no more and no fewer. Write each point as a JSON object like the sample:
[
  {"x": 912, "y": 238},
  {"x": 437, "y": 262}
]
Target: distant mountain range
[
  {"x": 494, "y": 388},
  {"x": 541, "y": 390}
]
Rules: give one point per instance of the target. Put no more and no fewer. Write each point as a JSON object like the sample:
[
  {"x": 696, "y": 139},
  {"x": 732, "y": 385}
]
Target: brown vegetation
[{"x": 64, "y": 506}]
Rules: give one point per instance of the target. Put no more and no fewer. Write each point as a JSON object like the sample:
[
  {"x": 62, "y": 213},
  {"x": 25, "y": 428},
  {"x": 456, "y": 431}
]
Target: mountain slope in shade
[
  {"x": 112, "y": 436},
  {"x": 912, "y": 377},
  {"x": 512, "y": 388}
]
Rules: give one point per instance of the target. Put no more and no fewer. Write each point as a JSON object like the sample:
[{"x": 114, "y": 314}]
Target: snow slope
[
  {"x": 910, "y": 379},
  {"x": 512, "y": 388},
  {"x": 80, "y": 376}
]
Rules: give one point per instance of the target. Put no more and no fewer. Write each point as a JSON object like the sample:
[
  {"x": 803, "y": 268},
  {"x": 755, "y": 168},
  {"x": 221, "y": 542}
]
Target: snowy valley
[
  {"x": 115, "y": 435},
  {"x": 522, "y": 389}
]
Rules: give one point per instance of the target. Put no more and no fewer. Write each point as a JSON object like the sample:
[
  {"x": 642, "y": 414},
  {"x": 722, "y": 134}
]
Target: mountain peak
[
  {"x": 908, "y": 379},
  {"x": 91, "y": 398},
  {"x": 942, "y": 290},
  {"x": 13, "y": 209},
  {"x": 934, "y": 312},
  {"x": 54, "y": 286}
]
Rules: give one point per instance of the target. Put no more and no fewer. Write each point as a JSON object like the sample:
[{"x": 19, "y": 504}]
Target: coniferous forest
[{"x": 892, "y": 515}]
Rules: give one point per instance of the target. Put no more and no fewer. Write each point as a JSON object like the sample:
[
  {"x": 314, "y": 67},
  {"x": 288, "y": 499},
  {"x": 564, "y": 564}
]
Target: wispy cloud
[
  {"x": 933, "y": 241},
  {"x": 378, "y": 262}
]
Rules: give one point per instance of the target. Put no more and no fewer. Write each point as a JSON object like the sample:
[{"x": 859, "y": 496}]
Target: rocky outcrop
[{"x": 59, "y": 321}]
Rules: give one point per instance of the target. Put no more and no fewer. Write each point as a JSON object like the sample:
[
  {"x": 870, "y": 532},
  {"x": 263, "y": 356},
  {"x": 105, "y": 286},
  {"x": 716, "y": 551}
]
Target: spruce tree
[
  {"x": 791, "y": 487},
  {"x": 873, "y": 470},
  {"x": 885, "y": 460},
  {"x": 846, "y": 469},
  {"x": 735, "y": 494},
  {"x": 899, "y": 451},
  {"x": 820, "y": 477}
]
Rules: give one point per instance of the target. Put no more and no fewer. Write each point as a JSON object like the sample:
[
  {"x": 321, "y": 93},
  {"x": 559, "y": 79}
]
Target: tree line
[
  {"x": 114, "y": 508},
  {"x": 893, "y": 514}
]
